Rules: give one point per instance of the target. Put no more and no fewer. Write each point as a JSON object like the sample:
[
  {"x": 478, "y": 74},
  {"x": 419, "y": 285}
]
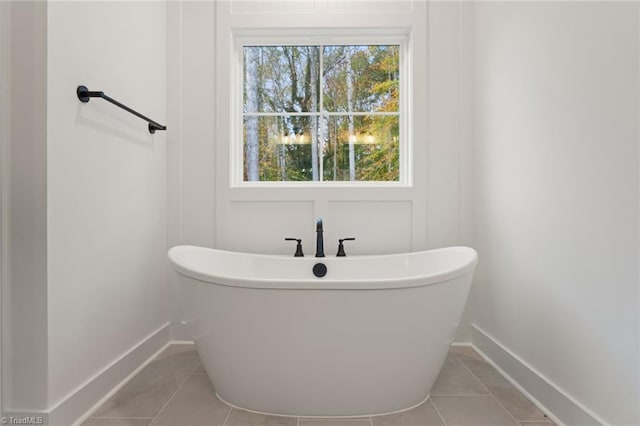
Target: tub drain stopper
[{"x": 319, "y": 270}]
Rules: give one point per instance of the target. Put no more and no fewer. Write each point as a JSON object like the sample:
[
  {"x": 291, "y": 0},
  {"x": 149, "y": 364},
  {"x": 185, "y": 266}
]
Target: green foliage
[{"x": 286, "y": 86}]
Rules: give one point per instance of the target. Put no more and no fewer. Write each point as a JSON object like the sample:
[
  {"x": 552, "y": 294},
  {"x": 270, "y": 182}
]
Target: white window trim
[{"x": 318, "y": 36}]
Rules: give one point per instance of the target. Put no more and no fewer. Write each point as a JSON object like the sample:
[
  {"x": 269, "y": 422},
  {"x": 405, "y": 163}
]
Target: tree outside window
[{"x": 321, "y": 113}]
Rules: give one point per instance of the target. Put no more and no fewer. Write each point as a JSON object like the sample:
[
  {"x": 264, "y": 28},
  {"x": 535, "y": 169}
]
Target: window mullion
[{"x": 320, "y": 117}]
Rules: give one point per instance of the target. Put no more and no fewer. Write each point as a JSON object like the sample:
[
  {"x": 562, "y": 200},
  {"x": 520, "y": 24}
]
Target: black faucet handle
[
  {"x": 299, "y": 252},
  {"x": 341, "y": 252}
]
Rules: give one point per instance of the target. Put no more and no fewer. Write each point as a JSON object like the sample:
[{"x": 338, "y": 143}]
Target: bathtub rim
[{"x": 466, "y": 266}]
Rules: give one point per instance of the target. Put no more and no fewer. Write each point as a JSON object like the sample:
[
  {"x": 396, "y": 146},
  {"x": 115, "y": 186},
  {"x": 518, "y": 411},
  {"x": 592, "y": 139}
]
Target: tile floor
[{"x": 174, "y": 390}]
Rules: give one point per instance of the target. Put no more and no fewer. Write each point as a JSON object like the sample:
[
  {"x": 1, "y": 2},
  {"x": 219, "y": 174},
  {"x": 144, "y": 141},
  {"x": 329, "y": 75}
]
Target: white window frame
[{"x": 305, "y": 37}]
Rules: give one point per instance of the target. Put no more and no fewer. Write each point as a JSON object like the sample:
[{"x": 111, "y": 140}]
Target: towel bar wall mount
[{"x": 85, "y": 94}]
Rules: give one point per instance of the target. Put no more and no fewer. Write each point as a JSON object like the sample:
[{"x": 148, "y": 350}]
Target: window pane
[
  {"x": 282, "y": 148},
  {"x": 373, "y": 155},
  {"x": 281, "y": 78},
  {"x": 279, "y": 149},
  {"x": 321, "y": 113},
  {"x": 361, "y": 78}
]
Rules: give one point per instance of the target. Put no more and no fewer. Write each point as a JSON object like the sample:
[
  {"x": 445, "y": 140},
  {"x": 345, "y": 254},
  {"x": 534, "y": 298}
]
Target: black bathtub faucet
[
  {"x": 319, "y": 240},
  {"x": 299, "y": 252},
  {"x": 341, "y": 252}
]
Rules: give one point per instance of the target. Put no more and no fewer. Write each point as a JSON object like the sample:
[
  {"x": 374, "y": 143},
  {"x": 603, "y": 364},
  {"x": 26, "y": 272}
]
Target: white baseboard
[
  {"x": 80, "y": 403},
  {"x": 558, "y": 404}
]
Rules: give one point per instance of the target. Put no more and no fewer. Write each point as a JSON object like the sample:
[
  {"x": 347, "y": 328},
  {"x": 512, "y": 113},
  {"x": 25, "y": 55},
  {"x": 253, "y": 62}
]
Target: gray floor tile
[
  {"x": 185, "y": 350},
  {"x": 511, "y": 398},
  {"x": 116, "y": 422},
  {"x": 245, "y": 418},
  {"x": 150, "y": 389},
  {"x": 465, "y": 352},
  {"x": 195, "y": 403},
  {"x": 199, "y": 369},
  {"x": 472, "y": 410},
  {"x": 455, "y": 379},
  {"x": 424, "y": 415},
  {"x": 459, "y": 396},
  {"x": 335, "y": 422}
]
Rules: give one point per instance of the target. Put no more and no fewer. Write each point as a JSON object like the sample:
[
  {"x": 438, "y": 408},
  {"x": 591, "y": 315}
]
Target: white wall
[
  {"x": 84, "y": 201},
  {"x": 385, "y": 220},
  {"x": 24, "y": 206},
  {"x": 4, "y": 106},
  {"x": 557, "y": 194},
  {"x": 106, "y": 186},
  {"x": 449, "y": 162},
  {"x": 190, "y": 133},
  {"x": 204, "y": 211}
]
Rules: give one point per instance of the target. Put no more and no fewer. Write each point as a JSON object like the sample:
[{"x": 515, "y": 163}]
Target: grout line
[
  {"x": 490, "y": 393},
  {"x": 437, "y": 411},
  {"x": 128, "y": 417},
  {"x": 298, "y": 422},
  {"x": 461, "y": 394},
  {"x": 226, "y": 418},
  {"x": 174, "y": 394},
  {"x": 474, "y": 376},
  {"x": 548, "y": 415},
  {"x": 505, "y": 409},
  {"x": 547, "y": 418},
  {"x": 325, "y": 420},
  {"x": 545, "y": 381}
]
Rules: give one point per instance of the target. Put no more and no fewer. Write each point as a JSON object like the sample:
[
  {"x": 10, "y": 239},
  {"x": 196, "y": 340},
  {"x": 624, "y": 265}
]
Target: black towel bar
[{"x": 84, "y": 95}]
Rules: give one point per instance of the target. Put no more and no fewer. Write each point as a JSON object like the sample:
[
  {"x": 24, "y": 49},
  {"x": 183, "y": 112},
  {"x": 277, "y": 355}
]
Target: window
[{"x": 322, "y": 112}]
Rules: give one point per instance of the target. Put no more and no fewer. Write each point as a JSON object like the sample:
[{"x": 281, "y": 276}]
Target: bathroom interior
[{"x": 522, "y": 142}]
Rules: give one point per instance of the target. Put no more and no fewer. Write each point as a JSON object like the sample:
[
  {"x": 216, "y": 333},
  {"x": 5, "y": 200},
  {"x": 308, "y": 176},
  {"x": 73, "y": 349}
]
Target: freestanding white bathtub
[{"x": 368, "y": 338}]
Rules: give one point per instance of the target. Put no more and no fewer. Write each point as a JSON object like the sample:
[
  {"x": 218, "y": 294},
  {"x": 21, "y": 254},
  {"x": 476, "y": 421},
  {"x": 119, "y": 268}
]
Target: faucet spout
[{"x": 319, "y": 239}]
